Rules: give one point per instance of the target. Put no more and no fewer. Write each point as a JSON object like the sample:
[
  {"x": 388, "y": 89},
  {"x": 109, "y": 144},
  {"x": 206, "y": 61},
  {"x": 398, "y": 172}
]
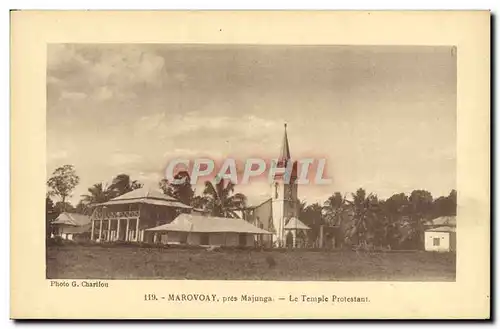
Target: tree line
[
  {"x": 364, "y": 219},
  {"x": 359, "y": 220},
  {"x": 217, "y": 199}
]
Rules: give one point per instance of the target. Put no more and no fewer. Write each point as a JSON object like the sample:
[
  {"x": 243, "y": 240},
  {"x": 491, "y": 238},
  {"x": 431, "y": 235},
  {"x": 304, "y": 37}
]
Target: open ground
[{"x": 134, "y": 262}]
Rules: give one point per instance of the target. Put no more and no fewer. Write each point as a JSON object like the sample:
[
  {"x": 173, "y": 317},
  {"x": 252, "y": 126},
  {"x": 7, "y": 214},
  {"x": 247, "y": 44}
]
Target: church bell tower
[{"x": 284, "y": 190}]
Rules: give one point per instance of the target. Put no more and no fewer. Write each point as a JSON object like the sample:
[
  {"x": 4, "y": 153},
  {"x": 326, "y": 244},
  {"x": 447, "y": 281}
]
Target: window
[{"x": 436, "y": 242}]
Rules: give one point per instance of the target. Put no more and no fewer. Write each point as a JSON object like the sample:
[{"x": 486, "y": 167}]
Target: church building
[{"x": 279, "y": 212}]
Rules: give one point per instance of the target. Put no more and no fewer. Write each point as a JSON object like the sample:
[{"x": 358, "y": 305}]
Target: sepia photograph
[
  {"x": 250, "y": 165},
  {"x": 251, "y": 162}
]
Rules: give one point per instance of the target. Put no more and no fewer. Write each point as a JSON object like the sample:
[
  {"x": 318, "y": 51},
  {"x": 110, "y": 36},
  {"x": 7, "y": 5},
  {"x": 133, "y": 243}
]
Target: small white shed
[{"x": 441, "y": 238}]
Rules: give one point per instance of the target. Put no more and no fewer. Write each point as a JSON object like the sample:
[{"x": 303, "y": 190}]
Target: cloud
[
  {"x": 63, "y": 58},
  {"x": 124, "y": 159},
  {"x": 103, "y": 72},
  {"x": 127, "y": 67},
  {"x": 196, "y": 123},
  {"x": 58, "y": 155},
  {"x": 72, "y": 95},
  {"x": 103, "y": 93}
]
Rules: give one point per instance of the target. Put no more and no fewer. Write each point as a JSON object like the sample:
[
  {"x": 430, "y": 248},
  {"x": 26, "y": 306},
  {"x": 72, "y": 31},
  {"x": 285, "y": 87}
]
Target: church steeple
[{"x": 285, "y": 150}]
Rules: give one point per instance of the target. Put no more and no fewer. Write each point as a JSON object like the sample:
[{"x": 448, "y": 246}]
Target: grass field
[{"x": 126, "y": 262}]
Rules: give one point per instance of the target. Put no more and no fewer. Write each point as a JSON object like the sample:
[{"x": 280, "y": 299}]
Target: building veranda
[{"x": 126, "y": 217}]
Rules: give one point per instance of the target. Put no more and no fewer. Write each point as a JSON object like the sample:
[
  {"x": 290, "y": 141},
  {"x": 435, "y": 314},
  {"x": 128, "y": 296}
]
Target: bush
[
  {"x": 271, "y": 262},
  {"x": 55, "y": 241}
]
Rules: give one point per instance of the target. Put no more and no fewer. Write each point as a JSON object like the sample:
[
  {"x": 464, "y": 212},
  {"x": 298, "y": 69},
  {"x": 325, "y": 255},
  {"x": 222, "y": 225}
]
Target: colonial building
[
  {"x": 279, "y": 212},
  {"x": 125, "y": 218}
]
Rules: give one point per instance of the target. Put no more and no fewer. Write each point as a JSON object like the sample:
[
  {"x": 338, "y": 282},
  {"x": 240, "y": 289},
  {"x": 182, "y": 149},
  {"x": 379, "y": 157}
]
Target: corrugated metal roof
[
  {"x": 156, "y": 202},
  {"x": 147, "y": 196},
  {"x": 145, "y": 192},
  {"x": 71, "y": 219},
  {"x": 208, "y": 224},
  {"x": 295, "y": 224}
]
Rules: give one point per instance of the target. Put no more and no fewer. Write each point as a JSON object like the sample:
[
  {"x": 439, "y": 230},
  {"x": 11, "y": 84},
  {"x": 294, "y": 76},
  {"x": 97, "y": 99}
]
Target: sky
[{"x": 383, "y": 117}]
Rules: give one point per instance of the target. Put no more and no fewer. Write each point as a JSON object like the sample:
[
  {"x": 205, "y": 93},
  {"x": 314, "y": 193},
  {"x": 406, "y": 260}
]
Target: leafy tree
[
  {"x": 397, "y": 206},
  {"x": 445, "y": 205},
  {"x": 396, "y": 210},
  {"x": 122, "y": 184},
  {"x": 64, "y": 207},
  {"x": 62, "y": 183},
  {"x": 50, "y": 215},
  {"x": 183, "y": 192},
  {"x": 421, "y": 204},
  {"x": 221, "y": 200},
  {"x": 420, "y": 210}
]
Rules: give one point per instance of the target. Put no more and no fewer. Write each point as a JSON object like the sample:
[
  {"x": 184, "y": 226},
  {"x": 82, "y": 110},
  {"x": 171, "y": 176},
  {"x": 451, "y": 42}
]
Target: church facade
[{"x": 279, "y": 213}]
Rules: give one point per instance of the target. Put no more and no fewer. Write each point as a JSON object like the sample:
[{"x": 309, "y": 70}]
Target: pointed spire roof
[{"x": 285, "y": 148}]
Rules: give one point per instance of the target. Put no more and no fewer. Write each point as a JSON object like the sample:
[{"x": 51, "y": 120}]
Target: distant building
[
  {"x": 440, "y": 234},
  {"x": 195, "y": 229},
  {"x": 71, "y": 226}
]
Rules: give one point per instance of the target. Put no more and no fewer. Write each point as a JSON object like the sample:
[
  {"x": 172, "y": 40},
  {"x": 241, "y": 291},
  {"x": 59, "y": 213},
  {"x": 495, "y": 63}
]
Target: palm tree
[
  {"x": 334, "y": 208},
  {"x": 365, "y": 210},
  {"x": 221, "y": 201},
  {"x": 183, "y": 192},
  {"x": 199, "y": 202},
  {"x": 98, "y": 193},
  {"x": 335, "y": 213},
  {"x": 122, "y": 184}
]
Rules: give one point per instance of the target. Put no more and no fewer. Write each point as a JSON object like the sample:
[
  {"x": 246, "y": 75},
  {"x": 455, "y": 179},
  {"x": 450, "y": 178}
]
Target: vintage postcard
[{"x": 250, "y": 165}]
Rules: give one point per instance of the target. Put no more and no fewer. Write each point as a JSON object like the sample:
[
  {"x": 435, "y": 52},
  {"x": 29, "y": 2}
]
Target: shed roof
[
  {"x": 442, "y": 229},
  {"x": 148, "y": 196},
  {"x": 443, "y": 221},
  {"x": 208, "y": 224},
  {"x": 295, "y": 224},
  {"x": 72, "y": 219}
]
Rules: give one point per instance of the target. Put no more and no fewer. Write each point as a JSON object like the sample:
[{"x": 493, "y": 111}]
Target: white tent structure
[{"x": 194, "y": 229}]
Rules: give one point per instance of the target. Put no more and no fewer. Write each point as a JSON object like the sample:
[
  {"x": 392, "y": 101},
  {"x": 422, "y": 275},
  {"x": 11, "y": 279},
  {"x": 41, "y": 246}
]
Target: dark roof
[{"x": 285, "y": 148}]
